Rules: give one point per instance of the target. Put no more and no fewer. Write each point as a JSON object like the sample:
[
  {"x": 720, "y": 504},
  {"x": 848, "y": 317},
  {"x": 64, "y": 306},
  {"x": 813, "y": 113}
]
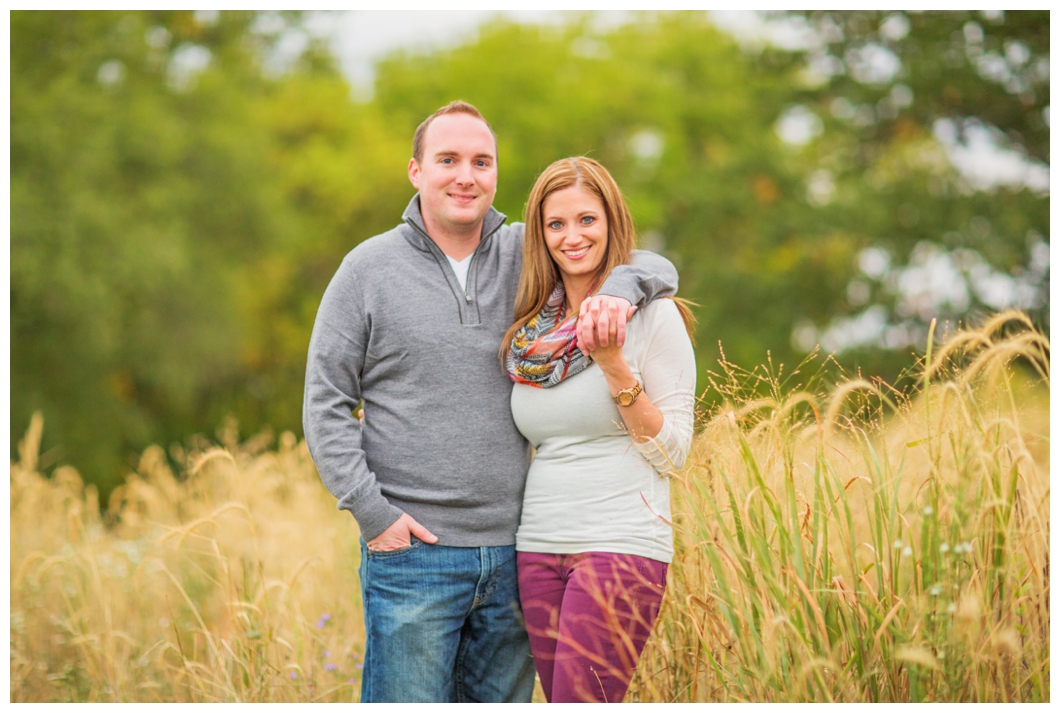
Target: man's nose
[{"x": 464, "y": 174}]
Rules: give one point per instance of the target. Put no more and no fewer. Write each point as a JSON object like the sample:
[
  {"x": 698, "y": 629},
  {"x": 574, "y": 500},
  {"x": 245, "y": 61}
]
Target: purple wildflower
[
  {"x": 360, "y": 665},
  {"x": 294, "y": 675},
  {"x": 327, "y": 654},
  {"x": 330, "y": 667},
  {"x": 323, "y": 620}
]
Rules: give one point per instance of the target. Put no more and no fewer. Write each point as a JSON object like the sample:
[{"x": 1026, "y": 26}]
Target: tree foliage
[
  {"x": 180, "y": 198},
  {"x": 145, "y": 210},
  {"x": 891, "y": 89}
]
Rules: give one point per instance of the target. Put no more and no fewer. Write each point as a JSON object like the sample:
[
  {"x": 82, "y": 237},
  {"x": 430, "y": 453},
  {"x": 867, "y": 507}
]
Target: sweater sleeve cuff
[
  {"x": 621, "y": 285},
  {"x": 373, "y": 515},
  {"x": 647, "y": 277}
]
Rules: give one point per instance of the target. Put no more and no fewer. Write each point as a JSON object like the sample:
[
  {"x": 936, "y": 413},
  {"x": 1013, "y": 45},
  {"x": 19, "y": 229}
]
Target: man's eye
[
  {"x": 447, "y": 160},
  {"x": 483, "y": 164}
]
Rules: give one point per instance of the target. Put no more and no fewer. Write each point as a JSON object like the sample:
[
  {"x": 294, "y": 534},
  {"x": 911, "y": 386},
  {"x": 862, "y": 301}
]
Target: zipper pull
[{"x": 467, "y": 297}]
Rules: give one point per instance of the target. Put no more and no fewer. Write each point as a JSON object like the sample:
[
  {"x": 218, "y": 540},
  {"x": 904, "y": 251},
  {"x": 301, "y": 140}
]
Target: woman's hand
[
  {"x": 611, "y": 360},
  {"x": 602, "y": 320},
  {"x": 606, "y": 348},
  {"x": 602, "y": 332}
]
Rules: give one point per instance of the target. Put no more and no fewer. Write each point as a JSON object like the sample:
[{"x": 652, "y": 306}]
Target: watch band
[{"x": 626, "y": 397}]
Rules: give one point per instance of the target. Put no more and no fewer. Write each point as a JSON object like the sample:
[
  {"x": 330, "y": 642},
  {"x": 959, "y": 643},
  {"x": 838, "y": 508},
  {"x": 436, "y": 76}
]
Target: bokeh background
[{"x": 184, "y": 185}]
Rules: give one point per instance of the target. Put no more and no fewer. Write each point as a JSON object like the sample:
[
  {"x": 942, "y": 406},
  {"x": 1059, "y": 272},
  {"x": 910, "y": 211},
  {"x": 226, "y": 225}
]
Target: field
[{"x": 843, "y": 544}]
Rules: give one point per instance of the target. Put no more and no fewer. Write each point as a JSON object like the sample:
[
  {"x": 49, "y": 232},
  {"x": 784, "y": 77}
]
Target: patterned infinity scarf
[{"x": 545, "y": 351}]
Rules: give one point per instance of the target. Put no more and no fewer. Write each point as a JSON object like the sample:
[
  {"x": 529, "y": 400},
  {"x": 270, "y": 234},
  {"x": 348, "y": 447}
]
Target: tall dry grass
[
  {"x": 869, "y": 545},
  {"x": 863, "y": 545},
  {"x": 234, "y": 582}
]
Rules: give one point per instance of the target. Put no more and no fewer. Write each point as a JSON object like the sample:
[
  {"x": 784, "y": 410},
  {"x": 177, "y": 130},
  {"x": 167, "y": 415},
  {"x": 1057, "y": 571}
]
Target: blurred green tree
[
  {"x": 904, "y": 99},
  {"x": 144, "y": 204}
]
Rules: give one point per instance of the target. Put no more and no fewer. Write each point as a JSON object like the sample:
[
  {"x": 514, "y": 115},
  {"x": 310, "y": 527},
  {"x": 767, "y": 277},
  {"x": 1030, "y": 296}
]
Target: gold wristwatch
[{"x": 626, "y": 397}]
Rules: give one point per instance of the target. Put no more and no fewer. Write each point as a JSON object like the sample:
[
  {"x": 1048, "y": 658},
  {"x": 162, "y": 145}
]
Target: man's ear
[{"x": 414, "y": 173}]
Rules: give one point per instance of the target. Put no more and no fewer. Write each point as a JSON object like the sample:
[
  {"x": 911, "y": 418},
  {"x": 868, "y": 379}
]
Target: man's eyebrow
[{"x": 445, "y": 154}]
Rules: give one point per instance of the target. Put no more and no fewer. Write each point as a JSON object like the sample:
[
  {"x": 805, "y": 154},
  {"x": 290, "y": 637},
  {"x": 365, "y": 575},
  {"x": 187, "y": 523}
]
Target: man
[{"x": 411, "y": 323}]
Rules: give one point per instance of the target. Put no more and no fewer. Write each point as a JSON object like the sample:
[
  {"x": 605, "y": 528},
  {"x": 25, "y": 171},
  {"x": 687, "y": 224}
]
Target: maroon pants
[{"x": 588, "y": 616}]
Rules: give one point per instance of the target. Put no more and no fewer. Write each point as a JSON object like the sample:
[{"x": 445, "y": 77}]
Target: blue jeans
[{"x": 443, "y": 624}]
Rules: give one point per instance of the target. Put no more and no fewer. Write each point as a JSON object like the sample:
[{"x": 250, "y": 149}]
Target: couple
[{"x": 457, "y": 588}]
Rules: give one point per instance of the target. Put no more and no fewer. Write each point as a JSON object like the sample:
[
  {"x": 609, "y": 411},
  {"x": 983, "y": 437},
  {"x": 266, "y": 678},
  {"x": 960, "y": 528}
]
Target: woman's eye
[
  {"x": 588, "y": 220},
  {"x": 555, "y": 225}
]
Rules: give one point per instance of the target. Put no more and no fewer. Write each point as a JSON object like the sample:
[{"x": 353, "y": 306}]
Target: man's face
[{"x": 457, "y": 177}]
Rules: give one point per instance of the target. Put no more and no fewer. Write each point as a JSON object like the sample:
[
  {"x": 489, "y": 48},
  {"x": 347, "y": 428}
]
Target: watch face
[{"x": 625, "y": 398}]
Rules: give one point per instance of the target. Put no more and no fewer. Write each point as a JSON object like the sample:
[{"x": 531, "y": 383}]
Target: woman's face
[{"x": 575, "y": 230}]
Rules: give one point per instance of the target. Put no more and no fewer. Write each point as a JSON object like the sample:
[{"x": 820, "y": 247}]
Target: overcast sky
[{"x": 363, "y": 36}]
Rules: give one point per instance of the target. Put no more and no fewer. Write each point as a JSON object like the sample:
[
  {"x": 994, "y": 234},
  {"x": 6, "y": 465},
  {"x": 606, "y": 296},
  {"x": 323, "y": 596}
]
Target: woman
[{"x": 594, "y": 540}]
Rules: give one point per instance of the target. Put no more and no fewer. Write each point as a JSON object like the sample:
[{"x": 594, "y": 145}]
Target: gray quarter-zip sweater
[{"x": 395, "y": 329}]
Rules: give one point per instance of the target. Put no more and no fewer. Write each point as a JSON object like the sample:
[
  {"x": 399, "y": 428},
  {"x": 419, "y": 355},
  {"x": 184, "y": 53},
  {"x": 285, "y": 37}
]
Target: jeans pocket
[{"x": 375, "y": 554}]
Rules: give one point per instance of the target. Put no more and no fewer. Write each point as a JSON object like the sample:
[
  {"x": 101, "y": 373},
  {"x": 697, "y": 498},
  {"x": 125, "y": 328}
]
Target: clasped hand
[{"x": 601, "y": 327}]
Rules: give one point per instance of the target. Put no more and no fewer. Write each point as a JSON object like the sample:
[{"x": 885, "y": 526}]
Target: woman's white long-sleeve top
[{"x": 590, "y": 487}]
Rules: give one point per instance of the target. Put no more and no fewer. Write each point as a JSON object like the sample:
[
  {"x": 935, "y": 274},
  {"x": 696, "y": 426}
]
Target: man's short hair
[{"x": 453, "y": 107}]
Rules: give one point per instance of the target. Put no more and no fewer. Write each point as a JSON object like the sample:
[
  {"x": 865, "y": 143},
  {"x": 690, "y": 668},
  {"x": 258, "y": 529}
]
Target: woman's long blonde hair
[{"x": 540, "y": 272}]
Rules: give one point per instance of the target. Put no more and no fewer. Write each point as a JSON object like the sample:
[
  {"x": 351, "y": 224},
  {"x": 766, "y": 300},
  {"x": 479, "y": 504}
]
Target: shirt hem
[{"x": 666, "y": 557}]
